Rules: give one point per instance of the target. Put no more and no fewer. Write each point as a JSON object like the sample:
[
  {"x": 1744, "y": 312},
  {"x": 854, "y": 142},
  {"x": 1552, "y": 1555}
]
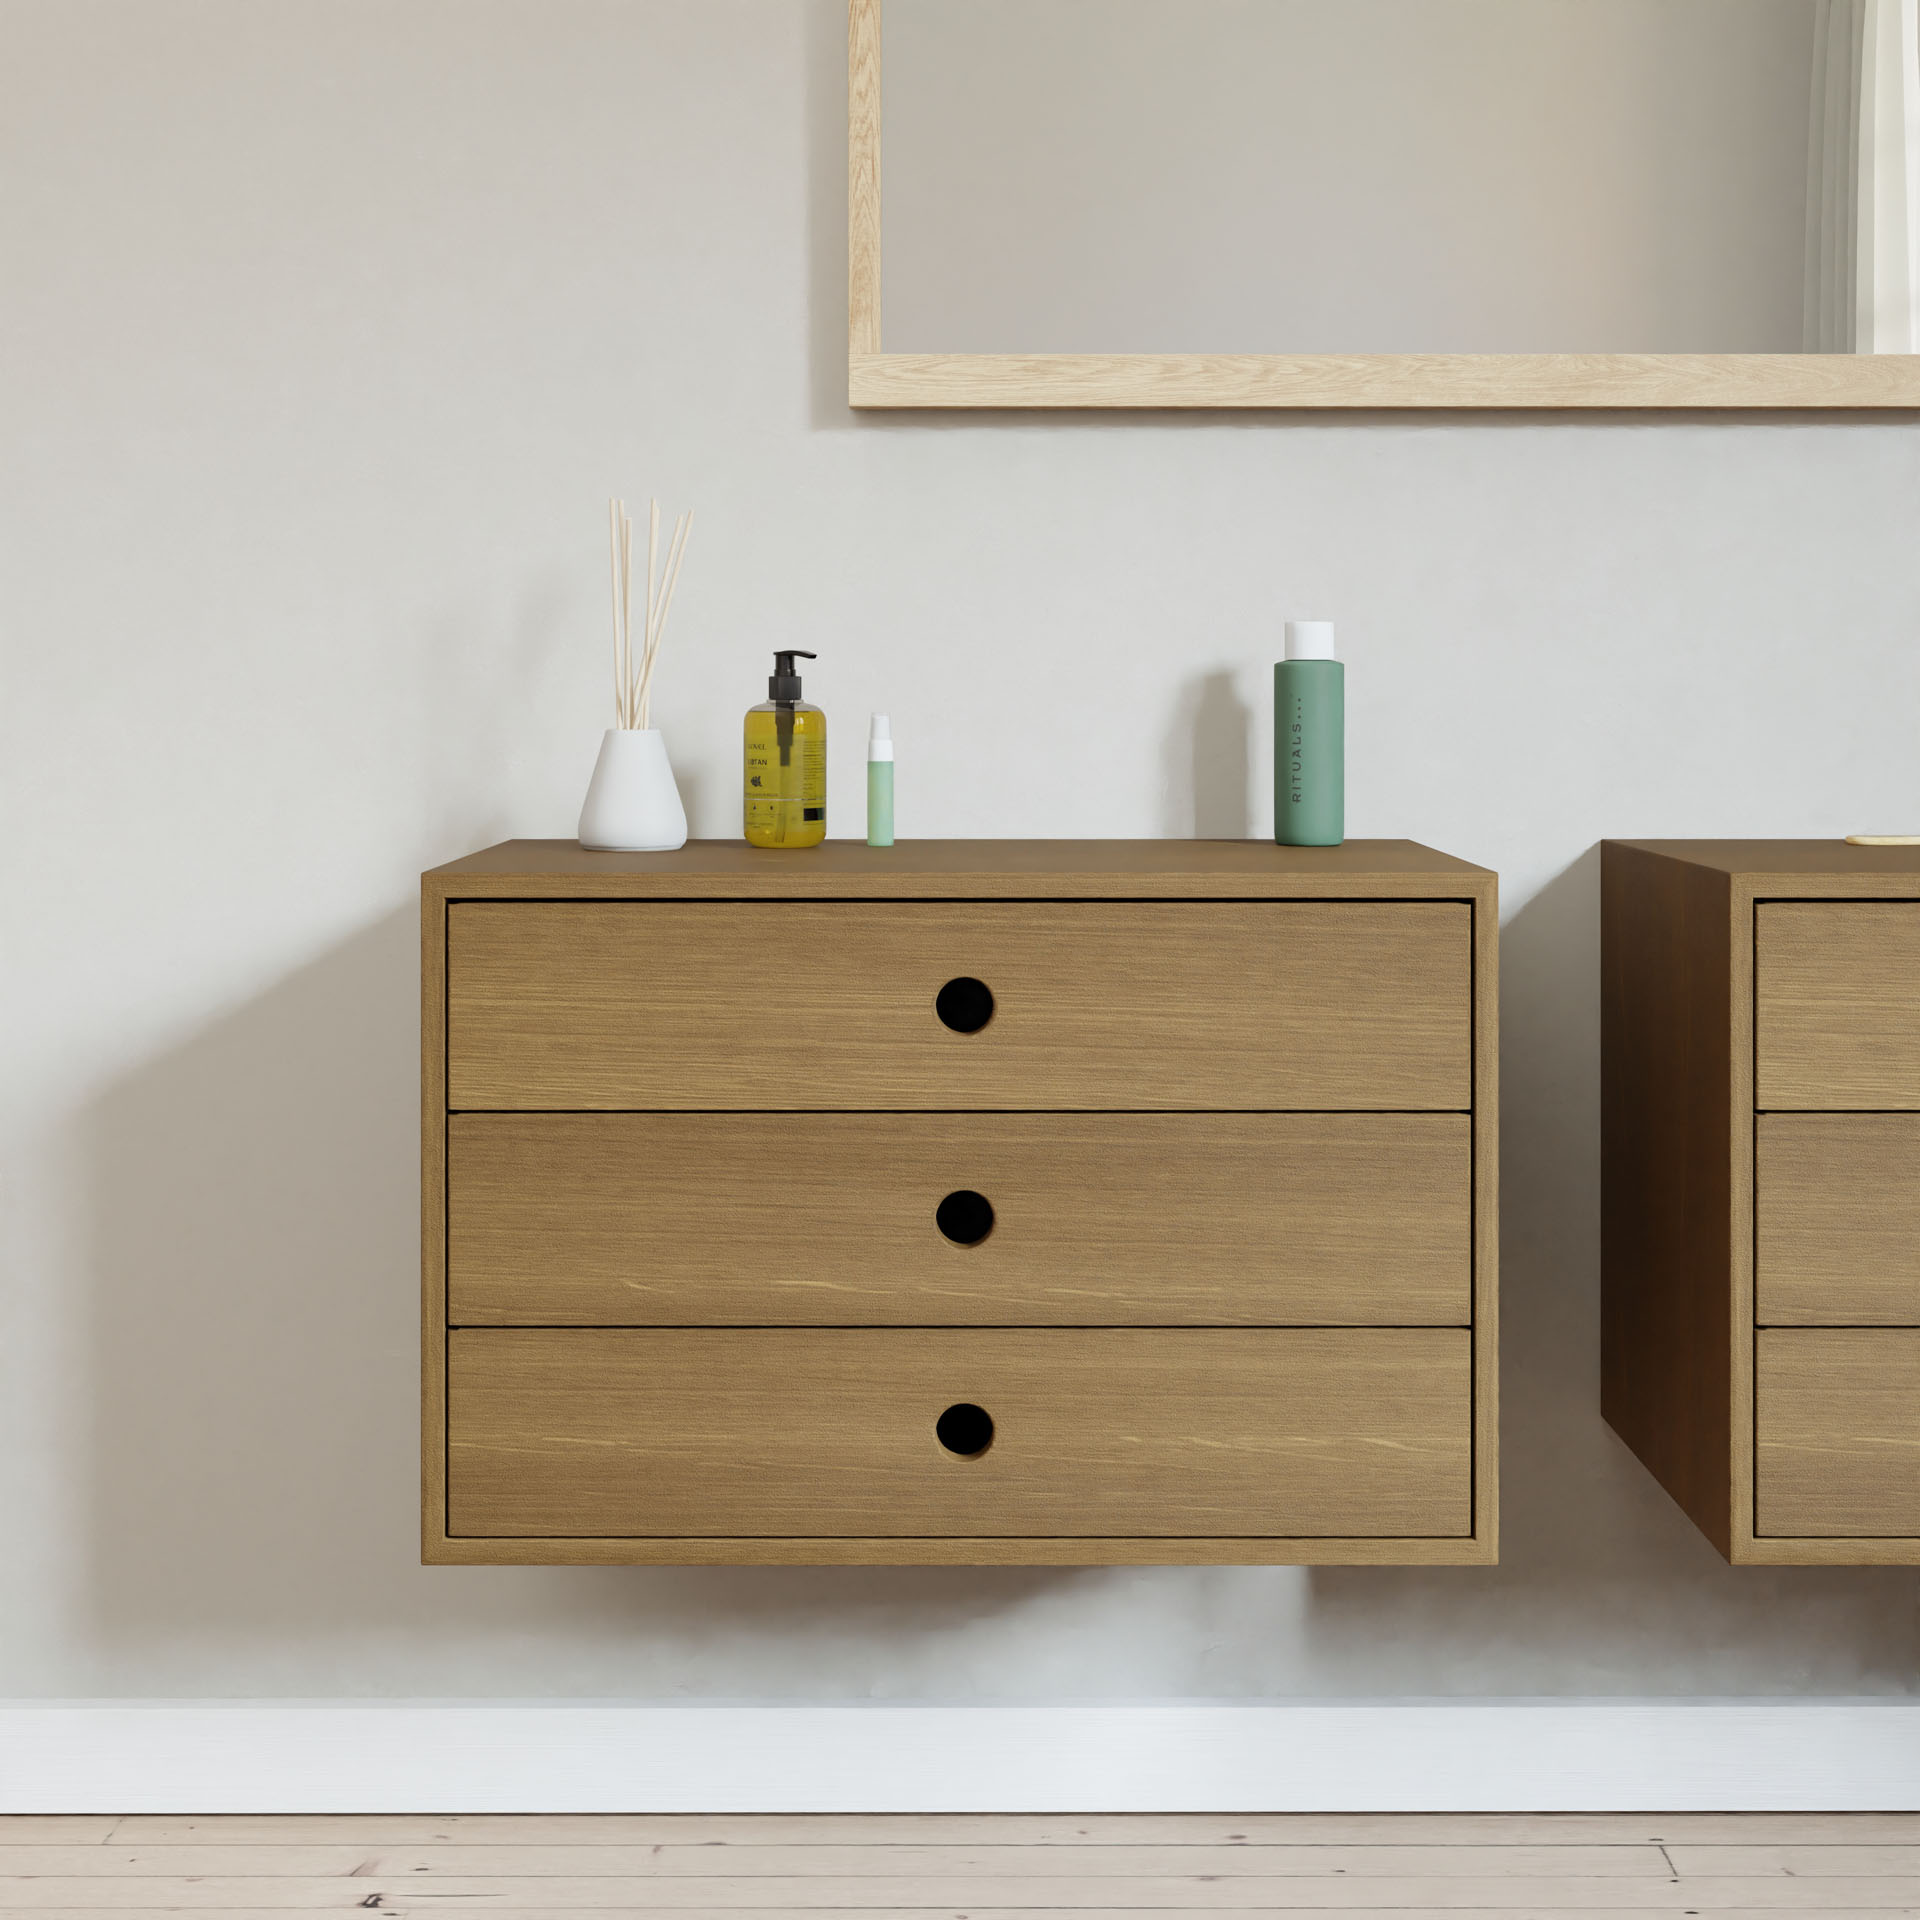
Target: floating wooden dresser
[
  {"x": 1026, "y": 1201},
  {"x": 1761, "y": 1189}
]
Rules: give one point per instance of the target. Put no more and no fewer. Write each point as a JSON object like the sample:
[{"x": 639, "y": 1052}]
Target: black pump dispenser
[{"x": 783, "y": 684}]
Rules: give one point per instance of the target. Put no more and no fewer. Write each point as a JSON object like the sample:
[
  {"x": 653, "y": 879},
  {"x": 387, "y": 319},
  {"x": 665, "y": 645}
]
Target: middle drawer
[
  {"x": 1837, "y": 1219},
  {"x": 724, "y": 1219}
]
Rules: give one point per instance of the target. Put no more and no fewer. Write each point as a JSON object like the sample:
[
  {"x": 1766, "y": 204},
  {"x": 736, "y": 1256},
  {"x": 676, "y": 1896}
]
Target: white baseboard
[{"x": 1438, "y": 1756}]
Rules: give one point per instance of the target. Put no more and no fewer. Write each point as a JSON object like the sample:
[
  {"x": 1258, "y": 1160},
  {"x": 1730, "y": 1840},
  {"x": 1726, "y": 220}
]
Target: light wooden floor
[{"x": 976, "y": 1866}]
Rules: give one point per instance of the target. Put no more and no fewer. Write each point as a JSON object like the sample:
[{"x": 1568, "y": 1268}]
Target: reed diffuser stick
[
  {"x": 653, "y": 549},
  {"x": 626, "y": 609},
  {"x": 669, "y": 579},
  {"x": 633, "y": 675}
]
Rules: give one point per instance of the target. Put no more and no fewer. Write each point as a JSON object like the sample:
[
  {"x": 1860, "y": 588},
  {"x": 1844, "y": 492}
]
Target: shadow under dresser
[
  {"x": 1760, "y": 1179},
  {"x": 1019, "y": 1202}
]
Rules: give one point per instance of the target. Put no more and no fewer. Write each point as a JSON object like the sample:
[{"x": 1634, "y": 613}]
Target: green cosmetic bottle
[
  {"x": 879, "y": 782},
  {"x": 1309, "y": 739}
]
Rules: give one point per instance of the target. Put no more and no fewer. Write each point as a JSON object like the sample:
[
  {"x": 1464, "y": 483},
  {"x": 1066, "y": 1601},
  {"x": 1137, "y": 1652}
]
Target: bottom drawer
[
  {"x": 1110, "y": 1432},
  {"x": 1837, "y": 1432}
]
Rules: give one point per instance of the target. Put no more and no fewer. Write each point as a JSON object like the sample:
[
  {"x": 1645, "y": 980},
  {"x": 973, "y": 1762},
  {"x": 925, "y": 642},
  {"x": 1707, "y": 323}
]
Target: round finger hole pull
[
  {"x": 965, "y": 1217},
  {"x": 965, "y": 1429},
  {"x": 965, "y": 1005}
]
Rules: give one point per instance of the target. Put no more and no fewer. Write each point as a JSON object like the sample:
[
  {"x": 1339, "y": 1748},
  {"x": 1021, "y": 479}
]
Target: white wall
[{"x": 327, "y": 329}]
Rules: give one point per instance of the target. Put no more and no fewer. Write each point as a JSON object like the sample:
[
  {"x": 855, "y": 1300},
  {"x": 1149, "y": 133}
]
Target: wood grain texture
[
  {"x": 1255, "y": 1005},
  {"x": 841, "y": 874},
  {"x": 988, "y": 1550},
  {"x": 1486, "y": 1224},
  {"x": 1838, "y": 1432},
  {"x": 972, "y": 1897},
  {"x": 1739, "y": 1138},
  {"x": 1152, "y": 1219},
  {"x": 1815, "y": 932},
  {"x": 1434, "y": 380},
  {"x": 1837, "y": 1219},
  {"x": 1827, "y": 868},
  {"x": 967, "y": 870},
  {"x": 1846, "y": 1837},
  {"x": 1595, "y": 1866},
  {"x": 831, "y": 1431},
  {"x": 863, "y": 176},
  {"x": 827, "y": 1858},
  {"x": 433, "y": 1217},
  {"x": 1837, "y": 992},
  {"x": 1840, "y": 1550},
  {"x": 1670, "y": 1028}
]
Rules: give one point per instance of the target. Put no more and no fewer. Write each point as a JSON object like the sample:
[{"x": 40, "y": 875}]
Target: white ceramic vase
[{"x": 632, "y": 804}]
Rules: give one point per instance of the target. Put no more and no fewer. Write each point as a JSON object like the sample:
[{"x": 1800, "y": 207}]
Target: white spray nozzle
[
  {"x": 879, "y": 738},
  {"x": 1310, "y": 640}
]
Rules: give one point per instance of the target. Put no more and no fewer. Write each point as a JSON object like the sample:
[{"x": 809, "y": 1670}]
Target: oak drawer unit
[
  {"x": 1025, "y": 1202},
  {"x": 1761, "y": 1189}
]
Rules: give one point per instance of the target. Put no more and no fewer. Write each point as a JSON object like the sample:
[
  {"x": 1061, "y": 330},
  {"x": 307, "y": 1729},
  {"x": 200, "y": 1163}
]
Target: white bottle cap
[
  {"x": 1310, "y": 640},
  {"x": 879, "y": 738}
]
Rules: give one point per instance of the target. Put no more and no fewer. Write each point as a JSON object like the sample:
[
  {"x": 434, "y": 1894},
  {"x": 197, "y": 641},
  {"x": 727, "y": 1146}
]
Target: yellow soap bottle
[{"x": 786, "y": 790}]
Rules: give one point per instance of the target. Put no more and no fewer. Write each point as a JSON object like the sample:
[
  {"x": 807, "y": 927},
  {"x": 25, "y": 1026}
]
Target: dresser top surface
[
  {"x": 967, "y": 868},
  {"x": 1773, "y": 859}
]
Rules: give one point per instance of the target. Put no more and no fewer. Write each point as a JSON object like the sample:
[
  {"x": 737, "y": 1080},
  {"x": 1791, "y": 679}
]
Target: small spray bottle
[
  {"x": 880, "y": 782},
  {"x": 1309, "y": 739}
]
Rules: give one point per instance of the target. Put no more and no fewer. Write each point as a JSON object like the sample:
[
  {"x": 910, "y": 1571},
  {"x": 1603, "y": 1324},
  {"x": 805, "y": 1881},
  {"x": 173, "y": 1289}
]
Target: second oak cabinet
[{"x": 1761, "y": 1189}]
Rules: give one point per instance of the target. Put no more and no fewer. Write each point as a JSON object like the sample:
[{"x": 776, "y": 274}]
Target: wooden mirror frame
[{"x": 876, "y": 378}]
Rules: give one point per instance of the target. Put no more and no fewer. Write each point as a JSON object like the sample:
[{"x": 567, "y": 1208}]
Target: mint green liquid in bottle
[
  {"x": 879, "y": 782},
  {"x": 1309, "y": 739}
]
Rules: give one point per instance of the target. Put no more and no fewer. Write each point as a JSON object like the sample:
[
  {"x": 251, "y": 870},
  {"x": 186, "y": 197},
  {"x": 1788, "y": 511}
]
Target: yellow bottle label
[{"x": 786, "y": 781}]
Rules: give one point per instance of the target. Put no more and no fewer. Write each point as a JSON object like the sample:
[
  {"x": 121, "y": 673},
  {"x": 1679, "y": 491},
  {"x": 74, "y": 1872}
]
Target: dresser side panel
[
  {"x": 1667, "y": 1176},
  {"x": 433, "y": 1220},
  {"x": 1486, "y": 1220}
]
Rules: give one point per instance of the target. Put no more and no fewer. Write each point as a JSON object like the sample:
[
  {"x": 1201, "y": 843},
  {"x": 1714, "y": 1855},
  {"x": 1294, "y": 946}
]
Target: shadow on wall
[
  {"x": 1205, "y": 760},
  {"x": 1602, "y": 1581},
  {"x": 252, "y": 1209}
]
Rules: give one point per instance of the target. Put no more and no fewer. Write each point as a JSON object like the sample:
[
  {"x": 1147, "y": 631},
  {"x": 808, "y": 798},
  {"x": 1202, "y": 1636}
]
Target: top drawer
[
  {"x": 795, "y": 1005},
  {"x": 1837, "y": 1004}
]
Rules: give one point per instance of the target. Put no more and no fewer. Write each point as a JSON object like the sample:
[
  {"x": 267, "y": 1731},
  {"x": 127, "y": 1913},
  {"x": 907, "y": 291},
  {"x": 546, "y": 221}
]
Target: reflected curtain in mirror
[{"x": 1863, "y": 187}]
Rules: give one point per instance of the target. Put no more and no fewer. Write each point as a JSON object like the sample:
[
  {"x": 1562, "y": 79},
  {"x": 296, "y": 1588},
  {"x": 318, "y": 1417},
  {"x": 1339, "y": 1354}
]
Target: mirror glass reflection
[{"x": 1400, "y": 176}]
